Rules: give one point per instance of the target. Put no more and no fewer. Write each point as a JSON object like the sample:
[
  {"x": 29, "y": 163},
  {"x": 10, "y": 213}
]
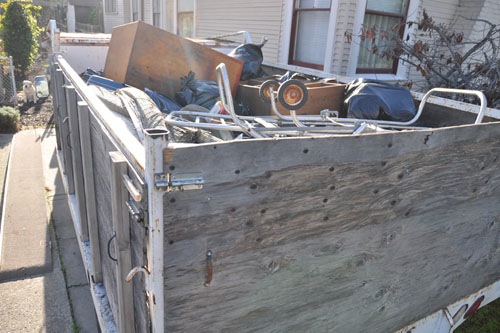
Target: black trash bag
[
  {"x": 165, "y": 104},
  {"x": 252, "y": 57},
  {"x": 378, "y": 100},
  {"x": 199, "y": 92},
  {"x": 289, "y": 75},
  {"x": 88, "y": 73}
]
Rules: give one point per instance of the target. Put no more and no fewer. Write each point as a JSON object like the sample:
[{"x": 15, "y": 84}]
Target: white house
[{"x": 306, "y": 33}]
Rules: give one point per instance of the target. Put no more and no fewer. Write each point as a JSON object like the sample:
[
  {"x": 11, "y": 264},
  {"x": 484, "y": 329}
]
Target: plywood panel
[
  {"x": 143, "y": 56},
  {"x": 332, "y": 234}
]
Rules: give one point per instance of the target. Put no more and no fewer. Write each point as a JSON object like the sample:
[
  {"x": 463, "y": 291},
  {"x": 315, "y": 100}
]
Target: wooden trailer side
[
  {"x": 340, "y": 234},
  {"x": 96, "y": 156}
]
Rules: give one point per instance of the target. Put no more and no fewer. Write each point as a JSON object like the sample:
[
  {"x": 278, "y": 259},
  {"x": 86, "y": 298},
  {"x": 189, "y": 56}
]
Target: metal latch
[
  {"x": 179, "y": 182},
  {"x": 137, "y": 213}
]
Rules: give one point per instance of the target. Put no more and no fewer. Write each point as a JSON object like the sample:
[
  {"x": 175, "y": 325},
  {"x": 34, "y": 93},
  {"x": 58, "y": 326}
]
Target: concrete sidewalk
[
  {"x": 25, "y": 249},
  {"x": 43, "y": 283}
]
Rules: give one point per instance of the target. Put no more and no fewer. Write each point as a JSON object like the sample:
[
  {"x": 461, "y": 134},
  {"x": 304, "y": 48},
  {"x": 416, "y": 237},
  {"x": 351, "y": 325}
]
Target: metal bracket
[
  {"x": 179, "y": 182},
  {"x": 137, "y": 213}
]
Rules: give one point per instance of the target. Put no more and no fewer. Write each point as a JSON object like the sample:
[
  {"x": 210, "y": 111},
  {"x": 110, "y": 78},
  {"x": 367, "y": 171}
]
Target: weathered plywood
[
  {"x": 76, "y": 157},
  {"x": 121, "y": 226},
  {"x": 101, "y": 146},
  {"x": 89, "y": 190},
  {"x": 332, "y": 234}
]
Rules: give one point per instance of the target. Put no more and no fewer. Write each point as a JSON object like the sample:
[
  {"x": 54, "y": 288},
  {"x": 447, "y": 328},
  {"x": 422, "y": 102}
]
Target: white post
[
  {"x": 70, "y": 18},
  {"x": 155, "y": 141},
  {"x": 13, "y": 79}
]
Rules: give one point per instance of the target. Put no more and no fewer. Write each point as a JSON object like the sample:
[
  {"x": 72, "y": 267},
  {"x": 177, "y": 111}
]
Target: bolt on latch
[{"x": 179, "y": 182}]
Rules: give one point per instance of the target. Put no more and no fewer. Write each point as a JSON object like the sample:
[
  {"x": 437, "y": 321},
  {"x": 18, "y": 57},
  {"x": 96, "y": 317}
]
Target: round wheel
[
  {"x": 292, "y": 94},
  {"x": 265, "y": 91}
]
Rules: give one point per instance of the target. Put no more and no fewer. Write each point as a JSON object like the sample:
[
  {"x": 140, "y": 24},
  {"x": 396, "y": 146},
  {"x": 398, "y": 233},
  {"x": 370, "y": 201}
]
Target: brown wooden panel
[
  {"x": 321, "y": 95},
  {"x": 120, "y": 50},
  {"x": 143, "y": 56}
]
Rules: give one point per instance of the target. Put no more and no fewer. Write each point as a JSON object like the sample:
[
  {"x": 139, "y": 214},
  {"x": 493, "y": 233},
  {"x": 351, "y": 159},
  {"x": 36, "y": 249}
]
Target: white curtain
[{"x": 312, "y": 33}]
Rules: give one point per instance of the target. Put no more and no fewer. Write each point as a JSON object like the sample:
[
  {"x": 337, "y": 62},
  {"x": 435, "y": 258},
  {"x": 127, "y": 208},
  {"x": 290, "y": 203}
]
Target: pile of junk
[{"x": 200, "y": 94}]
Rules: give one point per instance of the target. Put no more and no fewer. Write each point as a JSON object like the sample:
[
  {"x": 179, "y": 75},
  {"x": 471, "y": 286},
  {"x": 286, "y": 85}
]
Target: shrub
[
  {"x": 443, "y": 56},
  {"x": 9, "y": 119},
  {"x": 20, "y": 33}
]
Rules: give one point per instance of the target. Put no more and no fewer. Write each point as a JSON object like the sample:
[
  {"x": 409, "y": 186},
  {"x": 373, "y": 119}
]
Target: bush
[
  {"x": 20, "y": 34},
  {"x": 9, "y": 119},
  {"x": 442, "y": 55}
]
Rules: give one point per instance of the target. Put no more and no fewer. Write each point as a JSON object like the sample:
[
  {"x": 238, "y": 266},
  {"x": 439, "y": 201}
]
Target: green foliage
[
  {"x": 20, "y": 32},
  {"x": 9, "y": 119},
  {"x": 486, "y": 320},
  {"x": 95, "y": 15}
]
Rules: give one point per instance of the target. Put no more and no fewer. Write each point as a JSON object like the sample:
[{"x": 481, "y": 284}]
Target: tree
[
  {"x": 442, "y": 56},
  {"x": 20, "y": 33}
]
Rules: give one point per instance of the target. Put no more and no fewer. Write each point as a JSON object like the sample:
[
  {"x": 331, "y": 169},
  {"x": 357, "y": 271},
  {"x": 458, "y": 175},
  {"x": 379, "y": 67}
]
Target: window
[
  {"x": 309, "y": 33},
  {"x": 156, "y": 13},
  {"x": 110, "y": 6},
  {"x": 135, "y": 11},
  {"x": 384, "y": 15},
  {"x": 185, "y": 18}
]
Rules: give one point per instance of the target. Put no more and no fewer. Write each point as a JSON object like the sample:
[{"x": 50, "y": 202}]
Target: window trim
[
  {"x": 110, "y": 7},
  {"x": 403, "y": 17},
  {"x": 403, "y": 68},
  {"x": 176, "y": 19},
  {"x": 139, "y": 11},
  {"x": 157, "y": 9},
  {"x": 287, "y": 38},
  {"x": 293, "y": 36}
]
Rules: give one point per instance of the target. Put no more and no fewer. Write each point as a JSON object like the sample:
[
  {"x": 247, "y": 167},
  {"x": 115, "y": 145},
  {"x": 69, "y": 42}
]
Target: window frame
[
  {"x": 157, "y": 13},
  {"x": 135, "y": 10},
  {"x": 178, "y": 18},
  {"x": 352, "y": 47},
  {"x": 293, "y": 35},
  {"x": 395, "y": 63},
  {"x": 110, "y": 7}
]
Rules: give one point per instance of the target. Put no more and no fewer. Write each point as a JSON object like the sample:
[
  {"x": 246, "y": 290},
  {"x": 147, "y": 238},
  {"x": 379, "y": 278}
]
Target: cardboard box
[
  {"x": 142, "y": 55},
  {"x": 323, "y": 94}
]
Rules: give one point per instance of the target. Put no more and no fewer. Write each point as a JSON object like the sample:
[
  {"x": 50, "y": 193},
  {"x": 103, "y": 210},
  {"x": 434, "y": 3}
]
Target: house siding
[
  {"x": 460, "y": 15},
  {"x": 272, "y": 18},
  {"x": 148, "y": 11},
  {"x": 169, "y": 16},
  {"x": 442, "y": 12},
  {"x": 260, "y": 18},
  {"x": 490, "y": 11},
  {"x": 346, "y": 13},
  {"x": 121, "y": 16}
]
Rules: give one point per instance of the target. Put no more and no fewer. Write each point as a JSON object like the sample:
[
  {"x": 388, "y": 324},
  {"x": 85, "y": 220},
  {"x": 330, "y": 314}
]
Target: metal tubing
[
  {"x": 227, "y": 100},
  {"x": 478, "y": 93},
  {"x": 341, "y": 129},
  {"x": 389, "y": 123}
]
